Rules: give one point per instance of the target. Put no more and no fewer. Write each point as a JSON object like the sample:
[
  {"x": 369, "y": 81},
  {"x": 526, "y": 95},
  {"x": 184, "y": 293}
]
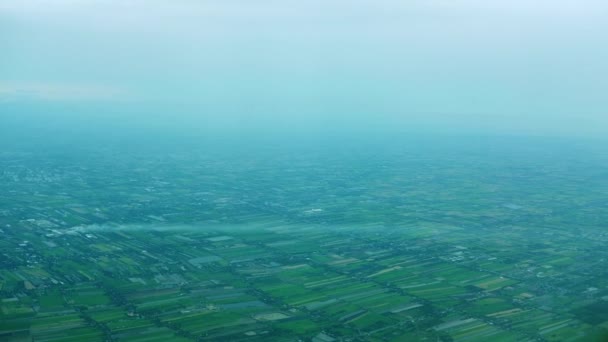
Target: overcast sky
[{"x": 517, "y": 66}]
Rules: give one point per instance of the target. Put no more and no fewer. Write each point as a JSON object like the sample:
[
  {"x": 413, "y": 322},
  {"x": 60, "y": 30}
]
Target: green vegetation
[{"x": 402, "y": 246}]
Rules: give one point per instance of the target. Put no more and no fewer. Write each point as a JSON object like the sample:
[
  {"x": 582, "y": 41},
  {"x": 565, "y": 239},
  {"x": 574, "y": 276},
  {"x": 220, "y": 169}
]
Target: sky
[{"x": 507, "y": 67}]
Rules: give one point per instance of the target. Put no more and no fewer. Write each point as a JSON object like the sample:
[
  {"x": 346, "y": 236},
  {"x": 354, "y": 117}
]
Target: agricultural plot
[{"x": 319, "y": 247}]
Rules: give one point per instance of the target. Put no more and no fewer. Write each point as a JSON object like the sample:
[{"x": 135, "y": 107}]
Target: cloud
[
  {"x": 270, "y": 7},
  {"x": 39, "y": 91},
  {"x": 227, "y": 17}
]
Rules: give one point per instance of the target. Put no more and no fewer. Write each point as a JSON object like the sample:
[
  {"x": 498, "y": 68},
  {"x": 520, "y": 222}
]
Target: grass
[
  {"x": 488, "y": 306},
  {"x": 299, "y": 327}
]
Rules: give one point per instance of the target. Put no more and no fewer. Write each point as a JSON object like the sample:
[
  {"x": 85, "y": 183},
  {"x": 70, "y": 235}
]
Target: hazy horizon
[
  {"x": 320, "y": 171},
  {"x": 267, "y": 67}
]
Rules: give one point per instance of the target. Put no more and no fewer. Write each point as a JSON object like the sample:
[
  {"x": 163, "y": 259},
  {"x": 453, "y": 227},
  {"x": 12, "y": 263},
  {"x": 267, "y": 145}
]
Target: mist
[
  {"x": 318, "y": 170},
  {"x": 235, "y": 68}
]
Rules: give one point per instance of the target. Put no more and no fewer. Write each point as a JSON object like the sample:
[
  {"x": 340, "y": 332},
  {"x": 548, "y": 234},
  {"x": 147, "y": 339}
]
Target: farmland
[{"x": 407, "y": 245}]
